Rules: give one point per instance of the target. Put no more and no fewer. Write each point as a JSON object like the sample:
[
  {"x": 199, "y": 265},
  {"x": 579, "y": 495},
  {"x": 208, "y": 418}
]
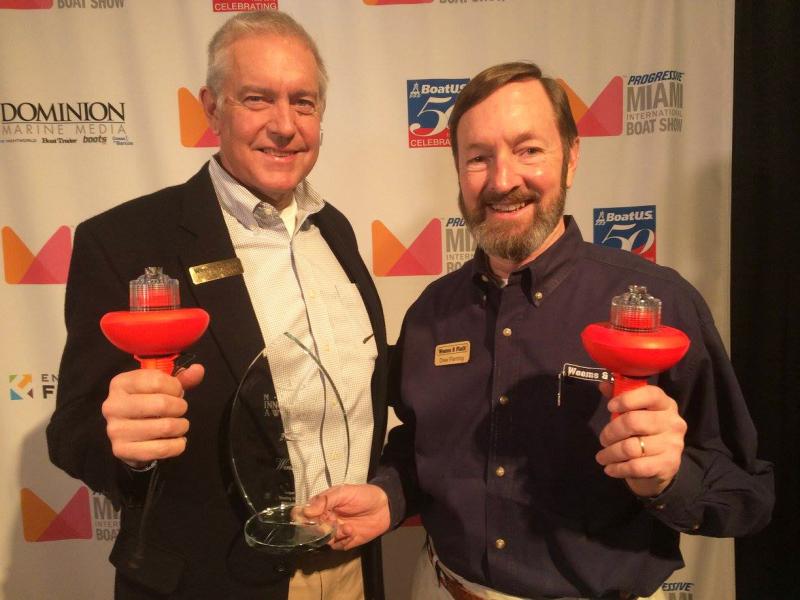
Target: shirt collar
[
  {"x": 540, "y": 277},
  {"x": 240, "y": 202}
]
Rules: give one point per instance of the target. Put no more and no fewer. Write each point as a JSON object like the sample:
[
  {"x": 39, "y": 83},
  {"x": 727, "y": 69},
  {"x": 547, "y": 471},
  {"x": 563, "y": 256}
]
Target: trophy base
[{"x": 283, "y": 529}]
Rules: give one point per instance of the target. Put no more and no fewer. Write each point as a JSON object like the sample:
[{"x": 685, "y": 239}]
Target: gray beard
[{"x": 499, "y": 239}]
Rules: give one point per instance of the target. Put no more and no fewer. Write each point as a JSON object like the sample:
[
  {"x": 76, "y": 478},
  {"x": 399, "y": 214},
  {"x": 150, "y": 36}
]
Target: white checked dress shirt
[{"x": 296, "y": 285}]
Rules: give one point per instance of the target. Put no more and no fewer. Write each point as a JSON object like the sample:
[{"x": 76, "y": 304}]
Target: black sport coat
[{"x": 194, "y": 543}]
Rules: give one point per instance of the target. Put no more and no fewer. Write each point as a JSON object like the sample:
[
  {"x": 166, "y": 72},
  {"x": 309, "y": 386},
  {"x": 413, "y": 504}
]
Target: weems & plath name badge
[{"x": 454, "y": 353}]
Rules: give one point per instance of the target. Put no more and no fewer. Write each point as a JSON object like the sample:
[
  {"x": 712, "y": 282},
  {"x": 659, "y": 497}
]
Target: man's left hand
[{"x": 643, "y": 445}]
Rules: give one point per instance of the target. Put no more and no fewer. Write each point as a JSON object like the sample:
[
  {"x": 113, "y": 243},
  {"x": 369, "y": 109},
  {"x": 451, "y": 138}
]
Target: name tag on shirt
[
  {"x": 570, "y": 371},
  {"x": 215, "y": 270},
  {"x": 454, "y": 353}
]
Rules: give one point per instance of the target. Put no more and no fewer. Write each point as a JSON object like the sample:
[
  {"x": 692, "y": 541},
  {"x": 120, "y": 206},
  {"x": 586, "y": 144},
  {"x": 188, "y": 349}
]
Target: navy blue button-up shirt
[{"x": 502, "y": 467}]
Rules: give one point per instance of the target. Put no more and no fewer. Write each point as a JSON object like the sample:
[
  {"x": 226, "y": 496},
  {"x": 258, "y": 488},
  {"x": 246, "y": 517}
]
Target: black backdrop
[{"x": 764, "y": 276}]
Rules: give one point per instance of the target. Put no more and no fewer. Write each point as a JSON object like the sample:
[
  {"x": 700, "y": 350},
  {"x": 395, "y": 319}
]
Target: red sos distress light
[
  {"x": 156, "y": 329},
  {"x": 634, "y": 344}
]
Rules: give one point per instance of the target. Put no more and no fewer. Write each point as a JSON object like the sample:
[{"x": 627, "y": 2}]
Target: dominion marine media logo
[{"x": 64, "y": 123}]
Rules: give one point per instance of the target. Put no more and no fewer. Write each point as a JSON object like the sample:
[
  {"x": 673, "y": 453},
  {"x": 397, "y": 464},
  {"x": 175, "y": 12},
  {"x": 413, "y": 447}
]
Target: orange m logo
[{"x": 391, "y": 258}]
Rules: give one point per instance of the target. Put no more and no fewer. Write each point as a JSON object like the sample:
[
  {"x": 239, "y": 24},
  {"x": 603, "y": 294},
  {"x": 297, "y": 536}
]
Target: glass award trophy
[{"x": 260, "y": 462}]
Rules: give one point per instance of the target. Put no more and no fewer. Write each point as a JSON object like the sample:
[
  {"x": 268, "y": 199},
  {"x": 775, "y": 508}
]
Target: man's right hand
[
  {"x": 144, "y": 414},
  {"x": 361, "y": 513}
]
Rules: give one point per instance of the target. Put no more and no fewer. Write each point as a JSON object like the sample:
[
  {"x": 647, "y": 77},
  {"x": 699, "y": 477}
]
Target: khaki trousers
[{"x": 328, "y": 575}]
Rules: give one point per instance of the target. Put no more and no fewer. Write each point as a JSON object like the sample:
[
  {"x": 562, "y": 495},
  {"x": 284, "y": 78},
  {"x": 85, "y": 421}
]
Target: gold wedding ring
[{"x": 641, "y": 444}]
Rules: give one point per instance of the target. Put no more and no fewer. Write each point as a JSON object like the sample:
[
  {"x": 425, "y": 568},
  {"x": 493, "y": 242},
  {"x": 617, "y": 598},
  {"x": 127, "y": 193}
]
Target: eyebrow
[
  {"x": 246, "y": 89},
  {"x": 524, "y": 136}
]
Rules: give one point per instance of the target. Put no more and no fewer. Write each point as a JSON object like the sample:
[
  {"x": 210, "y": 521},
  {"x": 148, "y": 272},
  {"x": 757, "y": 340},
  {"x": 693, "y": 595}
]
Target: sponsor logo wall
[{"x": 98, "y": 104}]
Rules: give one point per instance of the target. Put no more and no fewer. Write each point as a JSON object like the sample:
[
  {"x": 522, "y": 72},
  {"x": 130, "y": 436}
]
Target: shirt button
[
  {"x": 484, "y": 279},
  {"x": 499, "y": 471},
  {"x": 507, "y": 331},
  {"x": 499, "y": 543},
  {"x": 538, "y": 296},
  {"x": 660, "y": 506},
  {"x": 696, "y": 526},
  {"x": 503, "y": 400}
]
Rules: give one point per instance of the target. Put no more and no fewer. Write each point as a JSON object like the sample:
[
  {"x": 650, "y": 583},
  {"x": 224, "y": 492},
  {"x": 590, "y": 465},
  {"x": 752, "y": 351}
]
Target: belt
[
  {"x": 457, "y": 590},
  {"x": 453, "y": 586}
]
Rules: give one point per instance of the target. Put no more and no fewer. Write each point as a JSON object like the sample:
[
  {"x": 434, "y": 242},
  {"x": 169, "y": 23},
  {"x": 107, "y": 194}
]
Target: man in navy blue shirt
[{"x": 525, "y": 486}]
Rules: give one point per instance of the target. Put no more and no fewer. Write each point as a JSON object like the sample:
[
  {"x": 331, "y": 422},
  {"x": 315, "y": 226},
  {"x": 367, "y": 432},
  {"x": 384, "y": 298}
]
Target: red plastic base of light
[
  {"x": 155, "y": 336},
  {"x": 633, "y": 356},
  {"x": 634, "y": 353}
]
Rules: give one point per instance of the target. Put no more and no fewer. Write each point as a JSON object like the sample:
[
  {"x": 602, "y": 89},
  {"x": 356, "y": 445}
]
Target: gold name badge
[
  {"x": 455, "y": 353},
  {"x": 216, "y": 270}
]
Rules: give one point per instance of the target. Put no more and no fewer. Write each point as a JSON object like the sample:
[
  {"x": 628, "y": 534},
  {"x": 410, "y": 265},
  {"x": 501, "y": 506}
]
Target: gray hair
[{"x": 265, "y": 22}]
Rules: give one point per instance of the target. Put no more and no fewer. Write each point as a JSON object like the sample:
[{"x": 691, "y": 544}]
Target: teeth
[
  {"x": 507, "y": 207},
  {"x": 277, "y": 153}
]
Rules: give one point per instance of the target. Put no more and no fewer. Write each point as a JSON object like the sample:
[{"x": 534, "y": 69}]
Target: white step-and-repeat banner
[{"x": 99, "y": 105}]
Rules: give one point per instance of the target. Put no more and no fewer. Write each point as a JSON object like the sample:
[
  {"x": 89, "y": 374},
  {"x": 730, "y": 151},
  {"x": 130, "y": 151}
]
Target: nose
[
  {"x": 503, "y": 174},
  {"x": 281, "y": 125}
]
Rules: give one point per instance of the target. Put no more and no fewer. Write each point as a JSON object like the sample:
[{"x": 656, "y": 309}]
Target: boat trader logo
[
  {"x": 49, "y": 265},
  {"x": 430, "y": 102},
  {"x": 390, "y": 258},
  {"x": 40, "y": 523},
  {"x": 195, "y": 131},
  {"x": 630, "y": 228}
]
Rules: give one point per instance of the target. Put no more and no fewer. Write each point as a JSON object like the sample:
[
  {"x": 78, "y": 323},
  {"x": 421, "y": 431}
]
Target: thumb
[
  {"x": 315, "y": 506},
  {"x": 191, "y": 376}
]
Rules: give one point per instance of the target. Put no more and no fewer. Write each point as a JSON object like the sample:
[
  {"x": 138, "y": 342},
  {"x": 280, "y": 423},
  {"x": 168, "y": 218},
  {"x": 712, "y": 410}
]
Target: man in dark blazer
[{"x": 264, "y": 97}]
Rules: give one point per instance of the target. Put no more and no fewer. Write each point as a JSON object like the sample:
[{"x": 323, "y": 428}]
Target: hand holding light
[{"x": 634, "y": 345}]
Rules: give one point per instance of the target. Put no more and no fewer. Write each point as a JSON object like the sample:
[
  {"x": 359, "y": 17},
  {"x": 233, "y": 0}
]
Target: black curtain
[{"x": 765, "y": 301}]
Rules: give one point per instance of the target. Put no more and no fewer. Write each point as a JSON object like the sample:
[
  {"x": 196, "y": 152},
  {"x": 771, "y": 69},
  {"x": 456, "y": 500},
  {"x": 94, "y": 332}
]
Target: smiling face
[
  {"x": 268, "y": 115},
  {"x": 513, "y": 173}
]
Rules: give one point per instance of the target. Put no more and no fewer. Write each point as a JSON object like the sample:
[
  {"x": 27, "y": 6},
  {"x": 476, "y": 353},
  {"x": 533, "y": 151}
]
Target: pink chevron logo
[
  {"x": 390, "y": 258},
  {"x": 604, "y": 116},
  {"x": 49, "y": 265}
]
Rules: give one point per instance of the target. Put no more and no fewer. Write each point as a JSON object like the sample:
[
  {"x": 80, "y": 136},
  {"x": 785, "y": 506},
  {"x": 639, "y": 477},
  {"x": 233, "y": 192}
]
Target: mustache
[{"x": 513, "y": 197}]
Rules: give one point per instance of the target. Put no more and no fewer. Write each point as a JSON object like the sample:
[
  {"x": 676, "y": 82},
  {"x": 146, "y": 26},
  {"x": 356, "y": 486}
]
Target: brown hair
[{"x": 488, "y": 81}]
